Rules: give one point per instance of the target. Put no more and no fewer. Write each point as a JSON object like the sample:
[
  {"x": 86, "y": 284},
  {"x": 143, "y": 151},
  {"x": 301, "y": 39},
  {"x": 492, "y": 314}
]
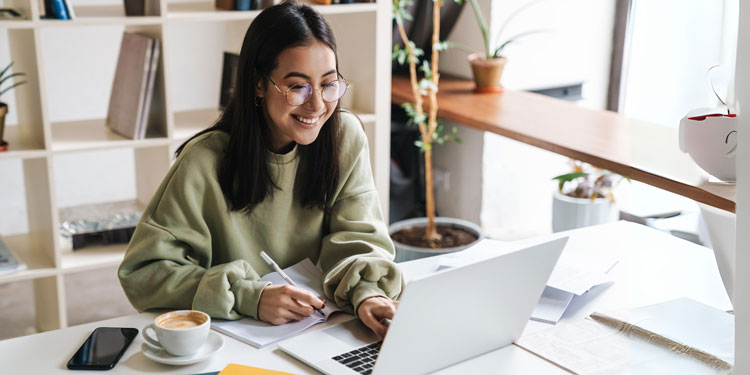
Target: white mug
[{"x": 180, "y": 333}]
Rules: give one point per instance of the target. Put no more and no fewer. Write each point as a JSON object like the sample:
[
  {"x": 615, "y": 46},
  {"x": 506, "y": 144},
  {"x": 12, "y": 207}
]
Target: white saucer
[{"x": 213, "y": 344}]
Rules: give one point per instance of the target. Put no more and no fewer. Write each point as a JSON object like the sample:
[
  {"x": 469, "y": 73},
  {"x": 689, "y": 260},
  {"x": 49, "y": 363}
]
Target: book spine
[
  {"x": 153, "y": 67},
  {"x": 69, "y": 8},
  {"x": 244, "y": 5},
  {"x": 226, "y": 4},
  {"x": 59, "y": 11}
]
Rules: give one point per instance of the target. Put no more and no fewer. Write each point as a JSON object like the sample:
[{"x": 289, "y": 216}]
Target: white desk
[{"x": 653, "y": 267}]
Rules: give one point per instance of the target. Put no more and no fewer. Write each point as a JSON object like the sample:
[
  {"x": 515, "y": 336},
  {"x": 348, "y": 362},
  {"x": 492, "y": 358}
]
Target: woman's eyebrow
[{"x": 305, "y": 76}]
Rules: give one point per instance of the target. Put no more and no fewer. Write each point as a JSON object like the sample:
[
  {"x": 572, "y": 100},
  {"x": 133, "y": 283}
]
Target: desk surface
[
  {"x": 642, "y": 151},
  {"x": 653, "y": 267}
]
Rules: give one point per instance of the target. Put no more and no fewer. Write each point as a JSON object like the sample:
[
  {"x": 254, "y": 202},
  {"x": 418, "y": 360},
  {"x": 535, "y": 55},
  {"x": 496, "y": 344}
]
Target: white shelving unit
[{"x": 187, "y": 65}]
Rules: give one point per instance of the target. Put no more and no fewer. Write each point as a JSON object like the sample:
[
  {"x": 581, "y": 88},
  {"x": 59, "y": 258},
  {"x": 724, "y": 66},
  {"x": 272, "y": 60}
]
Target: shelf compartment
[
  {"x": 188, "y": 123},
  {"x": 87, "y": 135},
  {"x": 93, "y": 257},
  {"x": 206, "y": 11},
  {"x": 102, "y": 14},
  {"x": 78, "y": 121},
  {"x": 24, "y": 123},
  {"x": 23, "y": 248},
  {"x": 16, "y": 24},
  {"x": 19, "y": 148},
  {"x": 23, "y": 6}
]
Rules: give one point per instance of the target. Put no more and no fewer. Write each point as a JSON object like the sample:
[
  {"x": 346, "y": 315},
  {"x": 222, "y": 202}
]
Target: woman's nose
[{"x": 316, "y": 102}]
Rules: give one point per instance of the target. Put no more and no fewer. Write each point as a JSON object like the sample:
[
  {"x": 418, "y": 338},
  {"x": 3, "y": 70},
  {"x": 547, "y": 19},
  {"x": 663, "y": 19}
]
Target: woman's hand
[
  {"x": 280, "y": 304},
  {"x": 374, "y": 311}
]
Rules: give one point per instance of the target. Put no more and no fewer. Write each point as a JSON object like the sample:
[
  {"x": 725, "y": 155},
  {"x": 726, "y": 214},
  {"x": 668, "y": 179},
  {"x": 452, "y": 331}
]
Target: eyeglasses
[{"x": 299, "y": 94}]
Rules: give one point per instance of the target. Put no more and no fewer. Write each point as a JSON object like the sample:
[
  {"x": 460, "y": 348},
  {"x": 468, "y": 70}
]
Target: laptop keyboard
[{"x": 361, "y": 360}]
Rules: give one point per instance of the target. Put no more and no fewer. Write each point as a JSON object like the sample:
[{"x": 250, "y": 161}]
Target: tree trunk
[{"x": 430, "y": 233}]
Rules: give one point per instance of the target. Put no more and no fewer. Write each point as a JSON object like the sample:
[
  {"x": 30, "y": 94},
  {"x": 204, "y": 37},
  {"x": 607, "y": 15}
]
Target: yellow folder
[{"x": 235, "y": 369}]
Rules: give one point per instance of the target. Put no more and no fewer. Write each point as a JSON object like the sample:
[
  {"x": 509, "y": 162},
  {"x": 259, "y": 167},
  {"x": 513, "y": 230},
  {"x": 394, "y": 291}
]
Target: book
[
  {"x": 678, "y": 336},
  {"x": 151, "y": 79},
  {"x": 245, "y": 5},
  {"x": 127, "y": 104},
  {"x": 260, "y": 334},
  {"x": 226, "y": 4},
  {"x": 56, "y": 9},
  {"x": 69, "y": 7},
  {"x": 135, "y": 8},
  {"x": 8, "y": 262},
  {"x": 235, "y": 369},
  {"x": 228, "y": 78}
]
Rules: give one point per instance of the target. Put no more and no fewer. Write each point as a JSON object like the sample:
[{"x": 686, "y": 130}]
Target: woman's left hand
[{"x": 374, "y": 310}]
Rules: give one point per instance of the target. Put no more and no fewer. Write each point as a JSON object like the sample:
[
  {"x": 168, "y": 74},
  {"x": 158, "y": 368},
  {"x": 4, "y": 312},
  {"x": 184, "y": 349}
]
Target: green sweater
[{"x": 189, "y": 251}]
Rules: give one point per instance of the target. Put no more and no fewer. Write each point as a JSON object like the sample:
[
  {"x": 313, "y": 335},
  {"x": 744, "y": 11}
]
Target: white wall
[{"x": 671, "y": 48}]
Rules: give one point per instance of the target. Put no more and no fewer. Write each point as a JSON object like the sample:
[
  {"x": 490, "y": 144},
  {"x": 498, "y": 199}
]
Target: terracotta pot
[
  {"x": 3, "y": 112},
  {"x": 487, "y": 73}
]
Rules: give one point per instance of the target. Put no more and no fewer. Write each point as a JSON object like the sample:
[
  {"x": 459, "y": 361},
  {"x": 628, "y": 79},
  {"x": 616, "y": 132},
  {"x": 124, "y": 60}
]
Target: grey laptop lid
[{"x": 448, "y": 317}]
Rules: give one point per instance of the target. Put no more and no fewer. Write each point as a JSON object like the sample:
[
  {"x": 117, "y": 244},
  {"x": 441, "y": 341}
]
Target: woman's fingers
[
  {"x": 374, "y": 312},
  {"x": 304, "y": 296},
  {"x": 280, "y": 304},
  {"x": 373, "y": 323}
]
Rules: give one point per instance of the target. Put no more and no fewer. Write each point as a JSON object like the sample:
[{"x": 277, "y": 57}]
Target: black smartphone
[{"x": 102, "y": 349}]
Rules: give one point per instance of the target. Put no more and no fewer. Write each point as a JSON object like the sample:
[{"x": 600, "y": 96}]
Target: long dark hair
[{"x": 244, "y": 173}]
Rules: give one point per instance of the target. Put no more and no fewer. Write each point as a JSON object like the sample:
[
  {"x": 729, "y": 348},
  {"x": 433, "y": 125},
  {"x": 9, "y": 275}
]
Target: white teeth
[{"x": 307, "y": 120}]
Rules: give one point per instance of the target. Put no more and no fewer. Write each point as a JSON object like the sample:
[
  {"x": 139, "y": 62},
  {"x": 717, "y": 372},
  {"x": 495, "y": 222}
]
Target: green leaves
[
  {"x": 400, "y": 12},
  {"x": 4, "y": 78},
  {"x": 401, "y": 54},
  {"x": 563, "y": 178},
  {"x": 438, "y": 137},
  {"x": 414, "y": 118}
]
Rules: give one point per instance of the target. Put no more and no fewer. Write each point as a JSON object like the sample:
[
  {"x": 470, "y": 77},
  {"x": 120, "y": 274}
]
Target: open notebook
[{"x": 260, "y": 334}]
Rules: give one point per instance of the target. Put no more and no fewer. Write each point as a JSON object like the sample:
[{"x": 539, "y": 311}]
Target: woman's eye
[
  {"x": 331, "y": 84},
  {"x": 297, "y": 87}
]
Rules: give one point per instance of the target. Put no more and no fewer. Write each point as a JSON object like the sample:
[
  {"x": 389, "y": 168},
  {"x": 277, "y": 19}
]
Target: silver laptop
[{"x": 443, "y": 318}]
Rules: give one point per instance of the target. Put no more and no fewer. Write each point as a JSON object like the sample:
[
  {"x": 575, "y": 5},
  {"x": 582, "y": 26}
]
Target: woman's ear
[{"x": 259, "y": 89}]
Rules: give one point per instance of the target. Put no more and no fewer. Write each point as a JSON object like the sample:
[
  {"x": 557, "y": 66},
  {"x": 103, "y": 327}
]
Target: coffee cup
[{"x": 180, "y": 333}]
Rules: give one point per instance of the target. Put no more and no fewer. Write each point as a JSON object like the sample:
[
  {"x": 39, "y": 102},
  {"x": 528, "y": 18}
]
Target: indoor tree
[{"x": 430, "y": 129}]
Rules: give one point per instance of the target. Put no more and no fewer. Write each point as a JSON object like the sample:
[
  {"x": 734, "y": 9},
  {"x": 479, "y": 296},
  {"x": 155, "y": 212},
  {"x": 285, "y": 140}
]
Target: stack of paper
[{"x": 566, "y": 282}]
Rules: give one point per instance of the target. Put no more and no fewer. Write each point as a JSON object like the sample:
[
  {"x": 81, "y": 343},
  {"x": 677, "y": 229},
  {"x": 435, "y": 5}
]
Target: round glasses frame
[{"x": 310, "y": 90}]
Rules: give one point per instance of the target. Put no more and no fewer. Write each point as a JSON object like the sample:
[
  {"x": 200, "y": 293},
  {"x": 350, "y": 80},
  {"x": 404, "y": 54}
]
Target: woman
[{"x": 282, "y": 171}]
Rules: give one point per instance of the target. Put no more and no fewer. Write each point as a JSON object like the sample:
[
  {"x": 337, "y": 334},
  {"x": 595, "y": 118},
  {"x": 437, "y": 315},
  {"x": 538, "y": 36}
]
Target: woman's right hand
[{"x": 280, "y": 304}]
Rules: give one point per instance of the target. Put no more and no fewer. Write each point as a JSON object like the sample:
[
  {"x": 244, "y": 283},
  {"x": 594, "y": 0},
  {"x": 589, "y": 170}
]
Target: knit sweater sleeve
[
  {"x": 168, "y": 263},
  {"x": 357, "y": 254}
]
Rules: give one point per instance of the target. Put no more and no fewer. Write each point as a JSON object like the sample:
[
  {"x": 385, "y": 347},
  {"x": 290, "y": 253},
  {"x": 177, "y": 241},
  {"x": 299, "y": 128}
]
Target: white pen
[{"x": 284, "y": 275}]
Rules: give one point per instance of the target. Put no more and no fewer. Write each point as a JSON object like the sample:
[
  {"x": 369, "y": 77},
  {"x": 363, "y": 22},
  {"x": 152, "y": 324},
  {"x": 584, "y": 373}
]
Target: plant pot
[
  {"x": 406, "y": 252},
  {"x": 570, "y": 213},
  {"x": 3, "y": 112},
  {"x": 487, "y": 73}
]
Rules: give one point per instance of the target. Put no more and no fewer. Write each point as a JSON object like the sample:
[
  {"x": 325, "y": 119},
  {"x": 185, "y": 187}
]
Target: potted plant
[
  {"x": 5, "y": 75},
  {"x": 420, "y": 237},
  {"x": 487, "y": 68},
  {"x": 584, "y": 197}
]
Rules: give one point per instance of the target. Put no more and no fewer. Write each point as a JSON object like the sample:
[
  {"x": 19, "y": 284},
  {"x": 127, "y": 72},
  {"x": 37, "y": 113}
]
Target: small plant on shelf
[
  {"x": 5, "y": 76},
  {"x": 585, "y": 197},
  {"x": 587, "y": 181},
  {"x": 487, "y": 68}
]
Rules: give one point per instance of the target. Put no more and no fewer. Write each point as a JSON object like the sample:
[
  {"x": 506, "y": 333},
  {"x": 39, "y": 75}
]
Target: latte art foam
[{"x": 181, "y": 321}]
